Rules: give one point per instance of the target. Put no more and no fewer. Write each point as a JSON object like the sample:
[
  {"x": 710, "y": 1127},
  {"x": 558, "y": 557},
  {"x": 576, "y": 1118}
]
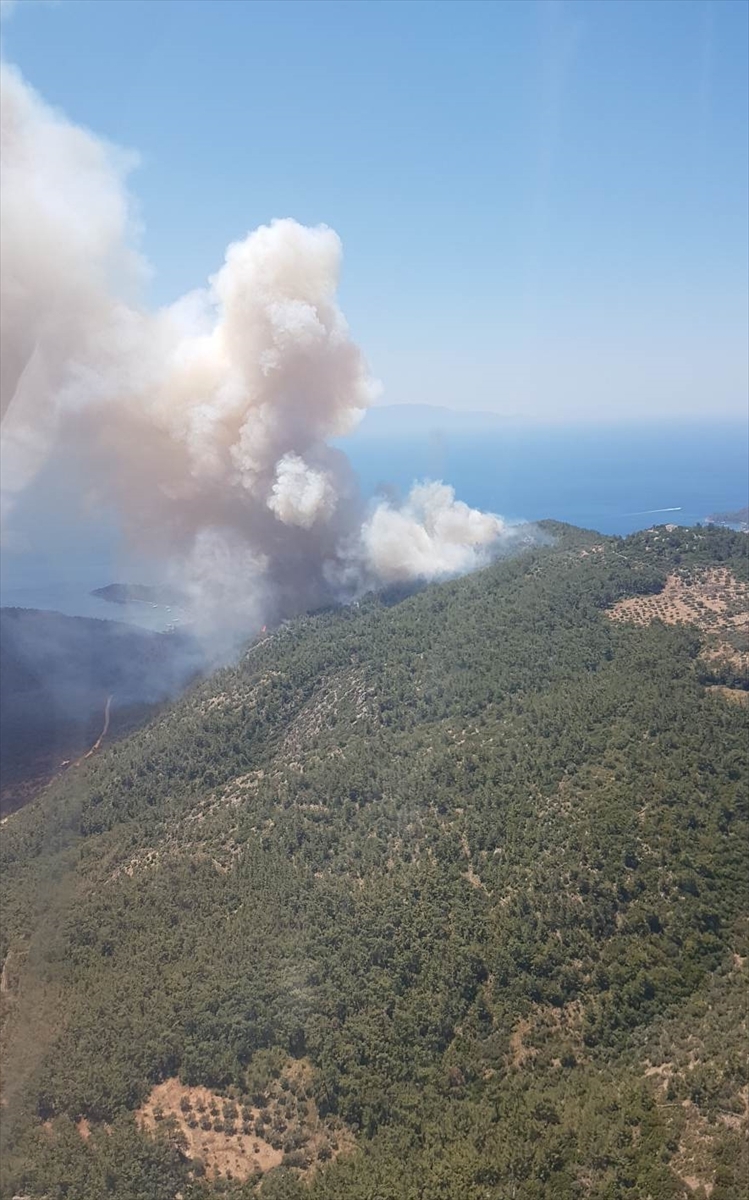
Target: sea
[{"x": 613, "y": 479}]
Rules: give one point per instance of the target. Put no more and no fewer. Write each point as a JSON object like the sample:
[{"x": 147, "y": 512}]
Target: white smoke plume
[
  {"x": 431, "y": 535},
  {"x": 207, "y": 423}
]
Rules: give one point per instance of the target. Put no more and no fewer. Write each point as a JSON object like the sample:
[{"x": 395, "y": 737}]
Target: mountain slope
[
  {"x": 473, "y": 863},
  {"x": 56, "y": 673}
]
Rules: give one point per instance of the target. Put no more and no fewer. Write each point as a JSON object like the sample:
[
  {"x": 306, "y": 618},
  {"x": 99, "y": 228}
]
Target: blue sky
[{"x": 542, "y": 205}]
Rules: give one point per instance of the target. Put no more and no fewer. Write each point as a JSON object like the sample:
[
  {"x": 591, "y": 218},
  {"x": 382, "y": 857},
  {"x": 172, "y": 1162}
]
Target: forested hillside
[
  {"x": 442, "y": 896},
  {"x": 56, "y": 673}
]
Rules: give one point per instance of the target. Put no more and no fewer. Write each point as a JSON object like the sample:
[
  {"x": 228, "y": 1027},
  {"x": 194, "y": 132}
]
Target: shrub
[{"x": 297, "y": 1158}]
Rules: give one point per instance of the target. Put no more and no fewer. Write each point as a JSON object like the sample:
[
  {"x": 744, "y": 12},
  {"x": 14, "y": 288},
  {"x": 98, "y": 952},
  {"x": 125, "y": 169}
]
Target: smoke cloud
[
  {"x": 431, "y": 535},
  {"x": 206, "y": 424}
]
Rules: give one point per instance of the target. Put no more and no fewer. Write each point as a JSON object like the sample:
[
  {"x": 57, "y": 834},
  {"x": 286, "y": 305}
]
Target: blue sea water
[
  {"x": 611, "y": 479},
  {"x": 614, "y": 479},
  {"x": 72, "y": 597}
]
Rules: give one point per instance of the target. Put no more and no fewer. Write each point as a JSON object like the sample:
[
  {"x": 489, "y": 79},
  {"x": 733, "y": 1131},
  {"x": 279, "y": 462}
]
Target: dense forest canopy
[{"x": 440, "y": 896}]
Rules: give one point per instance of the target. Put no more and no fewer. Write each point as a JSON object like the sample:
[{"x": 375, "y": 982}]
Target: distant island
[
  {"x": 735, "y": 520},
  {"x": 130, "y": 593}
]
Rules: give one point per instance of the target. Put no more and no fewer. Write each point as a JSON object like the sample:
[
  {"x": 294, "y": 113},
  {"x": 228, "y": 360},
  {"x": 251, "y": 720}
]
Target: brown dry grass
[
  {"x": 732, "y": 695},
  {"x": 222, "y": 1153},
  {"x": 714, "y": 601},
  {"x": 692, "y": 1162},
  {"x": 239, "y": 1154},
  {"x": 520, "y": 1053},
  {"x": 84, "y": 1129},
  {"x": 547, "y": 1030}
]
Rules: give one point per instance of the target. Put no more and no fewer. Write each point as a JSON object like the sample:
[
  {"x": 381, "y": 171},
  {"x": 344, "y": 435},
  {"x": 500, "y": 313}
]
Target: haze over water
[{"x": 615, "y": 479}]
